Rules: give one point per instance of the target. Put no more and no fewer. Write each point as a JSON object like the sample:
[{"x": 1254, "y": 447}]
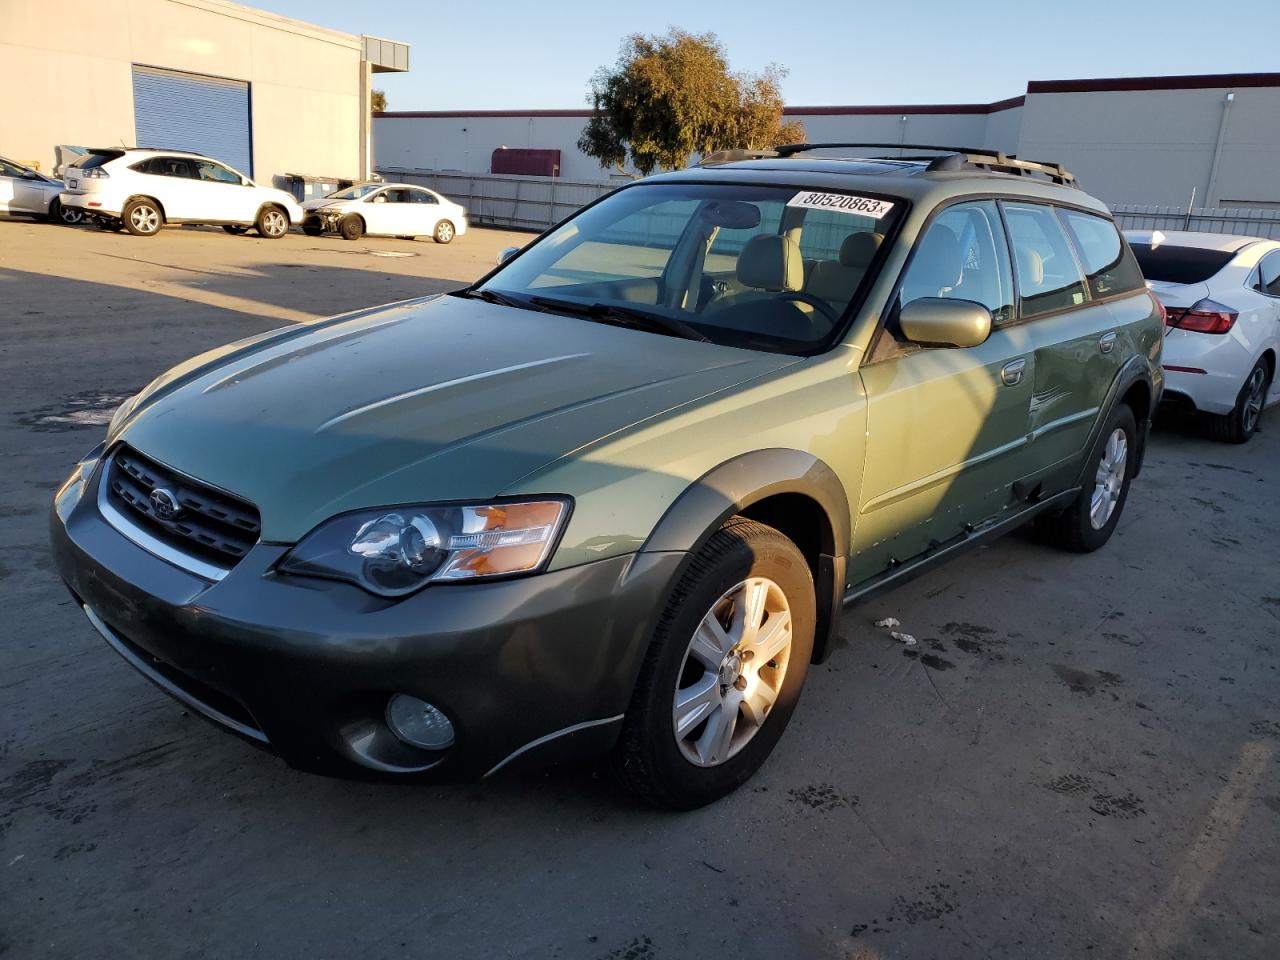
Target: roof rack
[{"x": 949, "y": 158}]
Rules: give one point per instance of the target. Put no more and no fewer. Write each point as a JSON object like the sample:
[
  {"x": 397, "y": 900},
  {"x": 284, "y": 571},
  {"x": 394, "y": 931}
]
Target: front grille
[{"x": 209, "y": 524}]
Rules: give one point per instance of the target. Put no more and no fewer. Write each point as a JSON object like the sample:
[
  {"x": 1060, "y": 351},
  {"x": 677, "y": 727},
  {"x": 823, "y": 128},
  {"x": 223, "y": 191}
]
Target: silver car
[{"x": 29, "y": 193}]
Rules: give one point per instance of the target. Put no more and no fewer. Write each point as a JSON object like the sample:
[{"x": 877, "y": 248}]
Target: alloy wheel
[
  {"x": 1254, "y": 397},
  {"x": 733, "y": 672},
  {"x": 145, "y": 219},
  {"x": 274, "y": 223},
  {"x": 1109, "y": 479},
  {"x": 444, "y": 232},
  {"x": 70, "y": 215}
]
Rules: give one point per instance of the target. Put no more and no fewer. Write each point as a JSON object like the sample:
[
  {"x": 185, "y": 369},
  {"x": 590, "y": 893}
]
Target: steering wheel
[{"x": 817, "y": 303}]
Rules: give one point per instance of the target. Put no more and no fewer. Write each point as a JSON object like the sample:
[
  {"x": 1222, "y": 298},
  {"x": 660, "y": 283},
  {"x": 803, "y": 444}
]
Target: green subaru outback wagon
[{"x": 613, "y": 496}]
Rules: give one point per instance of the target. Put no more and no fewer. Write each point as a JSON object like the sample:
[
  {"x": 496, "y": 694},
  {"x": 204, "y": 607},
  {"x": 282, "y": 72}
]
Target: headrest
[
  {"x": 859, "y": 248},
  {"x": 1030, "y": 267},
  {"x": 771, "y": 262}
]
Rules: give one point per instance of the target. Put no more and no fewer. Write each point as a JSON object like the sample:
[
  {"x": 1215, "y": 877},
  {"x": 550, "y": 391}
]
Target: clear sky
[{"x": 522, "y": 54}]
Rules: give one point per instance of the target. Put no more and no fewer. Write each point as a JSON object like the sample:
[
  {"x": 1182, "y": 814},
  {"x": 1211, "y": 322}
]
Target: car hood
[
  {"x": 442, "y": 399},
  {"x": 320, "y": 202}
]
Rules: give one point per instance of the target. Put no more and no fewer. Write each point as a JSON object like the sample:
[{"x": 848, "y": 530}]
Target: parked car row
[{"x": 141, "y": 190}]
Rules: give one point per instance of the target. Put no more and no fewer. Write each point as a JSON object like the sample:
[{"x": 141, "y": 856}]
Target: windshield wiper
[
  {"x": 624, "y": 317},
  {"x": 493, "y": 296}
]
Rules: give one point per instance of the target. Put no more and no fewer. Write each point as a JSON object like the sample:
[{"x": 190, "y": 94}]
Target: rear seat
[{"x": 836, "y": 280}]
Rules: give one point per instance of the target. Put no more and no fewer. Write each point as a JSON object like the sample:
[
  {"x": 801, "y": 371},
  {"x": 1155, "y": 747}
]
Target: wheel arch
[
  {"x": 790, "y": 490},
  {"x": 144, "y": 196},
  {"x": 269, "y": 204},
  {"x": 1132, "y": 385}
]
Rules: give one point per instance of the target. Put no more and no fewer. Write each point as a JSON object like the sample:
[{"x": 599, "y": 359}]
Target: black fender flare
[
  {"x": 1135, "y": 370},
  {"x": 735, "y": 485}
]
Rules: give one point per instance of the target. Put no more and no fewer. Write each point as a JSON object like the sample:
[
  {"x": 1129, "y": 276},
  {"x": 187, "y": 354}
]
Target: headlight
[{"x": 397, "y": 550}]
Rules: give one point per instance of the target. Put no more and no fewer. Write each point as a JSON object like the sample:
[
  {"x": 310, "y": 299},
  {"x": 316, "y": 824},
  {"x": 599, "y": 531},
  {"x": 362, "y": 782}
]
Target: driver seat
[{"x": 769, "y": 264}]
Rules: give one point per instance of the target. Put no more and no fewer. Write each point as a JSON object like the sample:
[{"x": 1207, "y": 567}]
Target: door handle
[
  {"x": 1107, "y": 342},
  {"x": 1011, "y": 372}
]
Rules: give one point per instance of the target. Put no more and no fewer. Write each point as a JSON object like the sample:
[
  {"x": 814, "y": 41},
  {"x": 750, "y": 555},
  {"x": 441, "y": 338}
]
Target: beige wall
[{"x": 66, "y": 77}]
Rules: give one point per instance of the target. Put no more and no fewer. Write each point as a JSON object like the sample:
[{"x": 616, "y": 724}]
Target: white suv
[{"x": 143, "y": 189}]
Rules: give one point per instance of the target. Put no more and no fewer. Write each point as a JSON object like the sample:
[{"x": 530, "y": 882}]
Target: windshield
[
  {"x": 768, "y": 268},
  {"x": 1171, "y": 264},
  {"x": 354, "y": 193}
]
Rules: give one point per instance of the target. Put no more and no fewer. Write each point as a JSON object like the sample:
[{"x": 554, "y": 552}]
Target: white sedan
[
  {"x": 386, "y": 210},
  {"x": 1222, "y": 335}
]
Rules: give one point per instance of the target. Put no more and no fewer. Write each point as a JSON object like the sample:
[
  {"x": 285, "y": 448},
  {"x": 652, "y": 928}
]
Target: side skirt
[{"x": 945, "y": 551}]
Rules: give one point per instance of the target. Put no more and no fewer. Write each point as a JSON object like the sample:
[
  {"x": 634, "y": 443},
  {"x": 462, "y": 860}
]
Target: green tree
[
  {"x": 377, "y": 101},
  {"x": 671, "y": 96}
]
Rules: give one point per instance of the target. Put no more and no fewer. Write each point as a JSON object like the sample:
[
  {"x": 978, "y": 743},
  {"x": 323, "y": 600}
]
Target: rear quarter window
[
  {"x": 1169, "y": 264},
  {"x": 1108, "y": 265}
]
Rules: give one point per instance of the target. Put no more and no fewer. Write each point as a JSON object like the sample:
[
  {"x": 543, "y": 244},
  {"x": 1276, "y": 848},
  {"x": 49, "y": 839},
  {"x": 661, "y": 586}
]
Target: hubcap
[
  {"x": 145, "y": 219},
  {"x": 1109, "y": 480},
  {"x": 732, "y": 673},
  {"x": 1253, "y": 399}
]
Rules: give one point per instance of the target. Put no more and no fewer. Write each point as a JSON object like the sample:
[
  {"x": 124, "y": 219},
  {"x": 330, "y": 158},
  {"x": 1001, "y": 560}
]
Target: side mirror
[
  {"x": 506, "y": 254},
  {"x": 950, "y": 323}
]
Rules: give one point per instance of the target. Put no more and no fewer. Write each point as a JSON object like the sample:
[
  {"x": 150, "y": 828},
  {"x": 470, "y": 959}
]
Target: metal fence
[
  {"x": 535, "y": 203},
  {"x": 1254, "y": 223},
  {"x": 505, "y": 200}
]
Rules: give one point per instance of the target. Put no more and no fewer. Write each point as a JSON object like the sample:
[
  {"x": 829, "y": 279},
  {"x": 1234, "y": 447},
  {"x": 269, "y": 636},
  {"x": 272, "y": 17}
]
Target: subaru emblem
[{"x": 164, "y": 504}]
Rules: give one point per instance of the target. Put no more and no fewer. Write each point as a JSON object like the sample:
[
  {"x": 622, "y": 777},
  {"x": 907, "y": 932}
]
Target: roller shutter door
[{"x": 186, "y": 111}]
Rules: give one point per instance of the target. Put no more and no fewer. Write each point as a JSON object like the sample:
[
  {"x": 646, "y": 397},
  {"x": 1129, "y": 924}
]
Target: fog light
[{"x": 418, "y": 723}]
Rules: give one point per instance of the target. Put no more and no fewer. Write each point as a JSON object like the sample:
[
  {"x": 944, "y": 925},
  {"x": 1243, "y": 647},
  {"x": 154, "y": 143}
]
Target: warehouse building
[
  {"x": 266, "y": 94},
  {"x": 1134, "y": 140}
]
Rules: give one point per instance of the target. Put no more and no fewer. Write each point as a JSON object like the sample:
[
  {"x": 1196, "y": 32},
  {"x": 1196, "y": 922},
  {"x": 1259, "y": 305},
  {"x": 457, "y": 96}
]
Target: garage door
[{"x": 186, "y": 111}]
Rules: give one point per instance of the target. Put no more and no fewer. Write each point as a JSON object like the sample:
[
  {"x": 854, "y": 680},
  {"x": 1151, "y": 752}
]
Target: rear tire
[
  {"x": 273, "y": 223},
  {"x": 445, "y": 232},
  {"x": 142, "y": 217},
  {"x": 1242, "y": 422},
  {"x": 110, "y": 224},
  {"x": 1092, "y": 517},
  {"x": 715, "y": 692},
  {"x": 351, "y": 227},
  {"x": 235, "y": 230}
]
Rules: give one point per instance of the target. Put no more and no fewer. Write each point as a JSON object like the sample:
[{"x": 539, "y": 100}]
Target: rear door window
[
  {"x": 1049, "y": 276},
  {"x": 1170, "y": 264},
  {"x": 1269, "y": 275},
  {"x": 1108, "y": 264}
]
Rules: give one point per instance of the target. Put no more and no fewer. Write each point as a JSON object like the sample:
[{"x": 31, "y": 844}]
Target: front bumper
[{"x": 529, "y": 669}]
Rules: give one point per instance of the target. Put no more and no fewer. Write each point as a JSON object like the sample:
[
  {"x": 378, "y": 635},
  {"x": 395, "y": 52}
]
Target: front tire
[
  {"x": 1242, "y": 422},
  {"x": 235, "y": 230},
  {"x": 142, "y": 217},
  {"x": 273, "y": 223},
  {"x": 312, "y": 228},
  {"x": 724, "y": 670},
  {"x": 1092, "y": 517},
  {"x": 70, "y": 216},
  {"x": 445, "y": 232},
  {"x": 351, "y": 227}
]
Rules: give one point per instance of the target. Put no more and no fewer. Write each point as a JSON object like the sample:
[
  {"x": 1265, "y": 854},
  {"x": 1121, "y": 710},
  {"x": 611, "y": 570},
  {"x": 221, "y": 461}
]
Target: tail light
[
  {"x": 1207, "y": 316},
  {"x": 1164, "y": 313}
]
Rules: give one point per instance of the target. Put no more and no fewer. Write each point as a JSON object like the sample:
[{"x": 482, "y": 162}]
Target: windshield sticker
[{"x": 841, "y": 203}]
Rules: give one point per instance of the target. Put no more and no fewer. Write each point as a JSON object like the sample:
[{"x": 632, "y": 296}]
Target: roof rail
[
  {"x": 736, "y": 154},
  {"x": 950, "y": 158}
]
